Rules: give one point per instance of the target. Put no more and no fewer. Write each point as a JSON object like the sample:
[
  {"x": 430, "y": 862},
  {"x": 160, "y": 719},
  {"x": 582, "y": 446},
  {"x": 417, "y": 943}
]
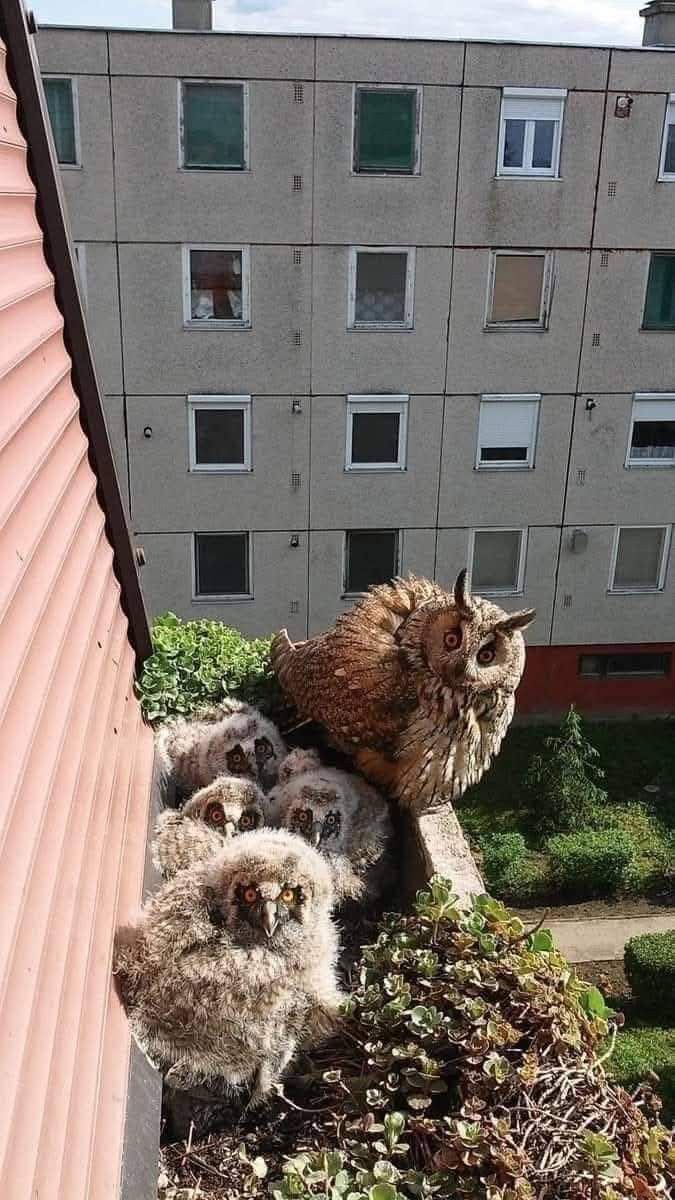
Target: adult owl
[
  {"x": 415, "y": 682},
  {"x": 231, "y": 805},
  {"x": 232, "y": 965},
  {"x": 232, "y": 739},
  {"x": 343, "y": 817}
]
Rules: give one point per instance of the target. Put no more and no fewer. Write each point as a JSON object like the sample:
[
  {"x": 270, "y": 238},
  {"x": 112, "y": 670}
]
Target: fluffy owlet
[
  {"x": 415, "y": 682},
  {"x": 342, "y": 816},
  {"x": 234, "y": 739},
  {"x": 232, "y": 965},
  {"x": 232, "y": 804}
]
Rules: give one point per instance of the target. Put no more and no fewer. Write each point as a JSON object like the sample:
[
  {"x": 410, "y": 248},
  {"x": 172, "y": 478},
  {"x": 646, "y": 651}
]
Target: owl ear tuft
[
  {"x": 462, "y": 595},
  {"x": 516, "y": 620}
]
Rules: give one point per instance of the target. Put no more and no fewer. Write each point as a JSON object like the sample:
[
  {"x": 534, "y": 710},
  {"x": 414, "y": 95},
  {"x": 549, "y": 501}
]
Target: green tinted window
[
  {"x": 660, "y": 302},
  {"x": 213, "y": 125},
  {"x": 59, "y": 94},
  {"x": 386, "y": 130}
]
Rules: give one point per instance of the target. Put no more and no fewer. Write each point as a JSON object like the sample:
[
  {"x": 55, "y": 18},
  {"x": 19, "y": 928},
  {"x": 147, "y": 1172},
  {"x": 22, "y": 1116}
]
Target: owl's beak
[
  {"x": 315, "y": 835},
  {"x": 228, "y": 829},
  {"x": 269, "y": 917}
]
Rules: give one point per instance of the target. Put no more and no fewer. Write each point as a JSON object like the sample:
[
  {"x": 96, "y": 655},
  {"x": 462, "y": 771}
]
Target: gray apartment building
[{"x": 364, "y": 306}]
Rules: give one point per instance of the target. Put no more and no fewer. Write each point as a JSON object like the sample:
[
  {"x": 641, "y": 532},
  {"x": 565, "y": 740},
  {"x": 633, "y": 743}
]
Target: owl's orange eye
[
  {"x": 486, "y": 655},
  {"x": 214, "y": 814},
  {"x": 250, "y": 894},
  {"x": 452, "y": 640},
  {"x": 288, "y": 895},
  {"x": 247, "y": 820}
]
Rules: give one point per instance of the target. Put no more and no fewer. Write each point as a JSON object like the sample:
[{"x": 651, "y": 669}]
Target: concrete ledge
[{"x": 438, "y": 847}]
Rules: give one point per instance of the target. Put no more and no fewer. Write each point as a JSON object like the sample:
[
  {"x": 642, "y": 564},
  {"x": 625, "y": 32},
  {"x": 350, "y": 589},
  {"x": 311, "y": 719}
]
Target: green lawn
[{"x": 644, "y": 1048}]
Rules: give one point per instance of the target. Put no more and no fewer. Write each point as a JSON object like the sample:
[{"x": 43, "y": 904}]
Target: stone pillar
[
  {"x": 659, "y": 27},
  {"x": 191, "y": 14}
]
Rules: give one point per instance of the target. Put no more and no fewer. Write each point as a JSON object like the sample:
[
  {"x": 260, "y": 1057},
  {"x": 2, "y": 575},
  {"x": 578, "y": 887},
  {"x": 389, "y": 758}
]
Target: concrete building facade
[{"x": 460, "y": 353}]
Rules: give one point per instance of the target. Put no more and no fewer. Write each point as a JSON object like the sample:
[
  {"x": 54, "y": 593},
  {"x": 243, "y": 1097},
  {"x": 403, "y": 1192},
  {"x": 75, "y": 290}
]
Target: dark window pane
[
  {"x": 380, "y": 288},
  {"x": 59, "y": 93},
  {"x": 669, "y": 160},
  {"x": 496, "y": 556},
  {"x": 386, "y": 131},
  {"x": 213, "y": 125},
  {"x": 503, "y": 453},
  {"x": 601, "y": 665},
  {"x": 638, "y": 558},
  {"x": 660, "y": 302},
  {"x": 372, "y": 557},
  {"x": 514, "y": 141},
  {"x": 592, "y": 664},
  {"x": 222, "y": 564},
  {"x": 542, "y": 151},
  {"x": 215, "y": 285},
  {"x": 219, "y": 435},
  {"x": 375, "y": 437},
  {"x": 653, "y": 439}
]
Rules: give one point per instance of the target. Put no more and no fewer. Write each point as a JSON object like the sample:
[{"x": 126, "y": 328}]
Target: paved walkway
[{"x": 603, "y": 937}]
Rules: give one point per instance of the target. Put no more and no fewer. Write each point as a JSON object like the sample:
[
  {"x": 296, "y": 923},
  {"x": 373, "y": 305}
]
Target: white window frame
[
  {"x": 547, "y": 287},
  {"x": 528, "y": 171},
  {"x": 389, "y": 87},
  {"x": 245, "y": 320},
  {"x": 226, "y": 597},
  {"x": 378, "y": 404},
  {"x": 669, "y": 119},
  {"x": 347, "y": 595},
  {"x": 181, "y": 126},
  {"x": 408, "y": 316},
  {"x": 200, "y": 404},
  {"x": 523, "y": 530},
  {"x": 80, "y": 254},
  {"x": 531, "y": 398},
  {"x": 649, "y": 463},
  {"x": 77, "y": 165},
  {"x": 663, "y": 565}
]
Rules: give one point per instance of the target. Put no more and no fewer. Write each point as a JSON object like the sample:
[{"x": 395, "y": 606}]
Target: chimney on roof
[
  {"x": 659, "y": 27},
  {"x": 191, "y": 14}
]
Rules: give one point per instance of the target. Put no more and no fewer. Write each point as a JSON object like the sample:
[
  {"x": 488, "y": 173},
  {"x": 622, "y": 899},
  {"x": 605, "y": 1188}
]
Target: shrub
[
  {"x": 641, "y": 1050},
  {"x": 563, "y": 783},
  {"x": 590, "y": 863},
  {"x": 200, "y": 662},
  {"x": 649, "y": 961},
  {"x": 511, "y": 871}
]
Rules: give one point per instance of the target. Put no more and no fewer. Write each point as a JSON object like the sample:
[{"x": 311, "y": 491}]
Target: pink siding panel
[{"x": 76, "y": 757}]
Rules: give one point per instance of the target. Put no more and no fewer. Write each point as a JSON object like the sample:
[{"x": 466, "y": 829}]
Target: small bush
[
  {"x": 649, "y": 961},
  {"x": 564, "y": 782},
  {"x": 200, "y": 662},
  {"x": 590, "y": 863},
  {"x": 641, "y": 1050},
  {"x": 500, "y": 852},
  {"x": 512, "y": 871}
]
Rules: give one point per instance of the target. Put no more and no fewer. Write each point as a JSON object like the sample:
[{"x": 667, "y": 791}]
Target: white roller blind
[
  {"x": 654, "y": 410},
  {"x": 531, "y": 108},
  {"x": 507, "y": 422}
]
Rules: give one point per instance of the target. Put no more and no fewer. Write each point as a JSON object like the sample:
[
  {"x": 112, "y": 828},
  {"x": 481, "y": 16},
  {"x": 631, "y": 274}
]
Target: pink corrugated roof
[{"x": 76, "y": 756}]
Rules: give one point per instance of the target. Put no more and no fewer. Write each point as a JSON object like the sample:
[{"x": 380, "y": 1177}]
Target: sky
[{"x": 604, "y": 22}]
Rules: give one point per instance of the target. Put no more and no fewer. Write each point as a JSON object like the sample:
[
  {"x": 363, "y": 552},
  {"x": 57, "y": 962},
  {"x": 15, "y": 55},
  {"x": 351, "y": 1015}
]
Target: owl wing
[{"x": 181, "y": 841}]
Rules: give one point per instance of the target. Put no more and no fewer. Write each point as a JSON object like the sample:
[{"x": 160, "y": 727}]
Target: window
[
  {"x": 651, "y": 442},
  {"x": 497, "y": 560},
  {"x": 219, "y": 433},
  {"x": 371, "y": 556},
  {"x": 639, "y": 558},
  {"x": 660, "y": 301},
  {"x": 667, "y": 165},
  {"x": 221, "y": 565},
  {"x": 507, "y": 431},
  {"x": 214, "y": 125},
  {"x": 381, "y": 289},
  {"x": 376, "y": 433},
  {"x": 530, "y": 131},
  {"x": 216, "y": 286},
  {"x": 519, "y": 286},
  {"x": 608, "y": 666},
  {"x": 61, "y": 96},
  {"x": 80, "y": 251},
  {"x": 387, "y": 130}
]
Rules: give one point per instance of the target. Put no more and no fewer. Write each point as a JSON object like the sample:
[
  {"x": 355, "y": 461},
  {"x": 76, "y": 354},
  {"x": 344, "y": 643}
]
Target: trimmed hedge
[
  {"x": 649, "y": 962},
  {"x": 512, "y": 871},
  {"x": 640, "y": 1050},
  {"x": 590, "y": 863}
]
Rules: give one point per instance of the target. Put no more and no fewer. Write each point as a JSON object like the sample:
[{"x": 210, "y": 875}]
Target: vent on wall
[
  {"x": 294, "y": 606},
  {"x": 297, "y": 256},
  {"x": 611, "y": 189},
  {"x": 581, "y": 476},
  {"x": 567, "y": 600},
  {"x": 297, "y": 183},
  {"x": 297, "y": 337},
  {"x": 604, "y": 258},
  {"x": 296, "y": 479},
  {"x": 596, "y": 339},
  {"x": 299, "y": 93}
]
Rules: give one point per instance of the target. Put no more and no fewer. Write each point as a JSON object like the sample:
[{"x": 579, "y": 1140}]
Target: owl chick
[
  {"x": 232, "y": 965},
  {"x": 343, "y": 817},
  {"x": 239, "y": 742},
  {"x": 232, "y": 804},
  {"x": 415, "y": 682}
]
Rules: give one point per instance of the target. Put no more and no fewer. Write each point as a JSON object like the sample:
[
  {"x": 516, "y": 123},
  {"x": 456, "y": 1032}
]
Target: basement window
[
  {"x": 639, "y": 558},
  {"x": 387, "y": 130},
  {"x": 497, "y": 561},
  {"x": 216, "y": 286},
  {"x": 381, "y": 289},
  {"x": 376, "y": 433},
  {"x": 530, "y": 131},
  {"x": 507, "y": 432},
  {"x": 519, "y": 287},
  {"x": 626, "y": 664},
  {"x": 61, "y": 97},
  {"x": 651, "y": 442},
  {"x": 222, "y": 569},
  {"x": 660, "y": 299},
  {"x": 219, "y": 433},
  {"x": 371, "y": 556},
  {"x": 667, "y": 165},
  {"x": 214, "y": 125}
]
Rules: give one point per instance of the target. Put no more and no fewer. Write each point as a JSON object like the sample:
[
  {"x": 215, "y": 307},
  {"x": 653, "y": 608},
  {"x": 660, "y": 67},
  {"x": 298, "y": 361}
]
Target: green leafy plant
[
  {"x": 564, "y": 782},
  {"x": 646, "y": 1051},
  {"x": 512, "y": 871},
  {"x": 590, "y": 863},
  {"x": 649, "y": 961},
  {"x": 196, "y": 663}
]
